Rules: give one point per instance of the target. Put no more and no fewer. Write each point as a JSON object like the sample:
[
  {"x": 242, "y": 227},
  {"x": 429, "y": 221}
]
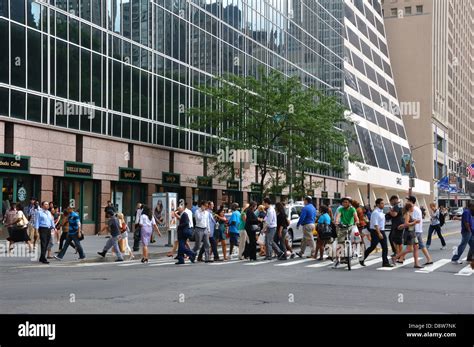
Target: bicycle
[{"x": 343, "y": 237}]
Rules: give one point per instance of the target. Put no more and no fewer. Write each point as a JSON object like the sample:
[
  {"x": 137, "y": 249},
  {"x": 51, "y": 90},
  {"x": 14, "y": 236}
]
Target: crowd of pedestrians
[{"x": 245, "y": 230}]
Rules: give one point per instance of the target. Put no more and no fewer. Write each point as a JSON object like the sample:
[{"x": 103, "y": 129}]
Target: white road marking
[
  {"x": 295, "y": 262},
  {"x": 321, "y": 264},
  {"x": 406, "y": 262},
  {"x": 367, "y": 263},
  {"x": 260, "y": 262},
  {"x": 466, "y": 271},
  {"x": 436, "y": 265},
  {"x": 226, "y": 262}
]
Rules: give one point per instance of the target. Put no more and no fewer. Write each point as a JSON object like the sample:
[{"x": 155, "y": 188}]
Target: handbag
[
  {"x": 324, "y": 231},
  {"x": 261, "y": 239},
  {"x": 23, "y": 222}
]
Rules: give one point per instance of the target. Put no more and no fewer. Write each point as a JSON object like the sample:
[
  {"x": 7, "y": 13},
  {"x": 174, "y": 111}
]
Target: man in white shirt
[
  {"x": 202, "y": 230},
  {"x": 418, "y": 215},
  {"x": 377, "y": 232},
  {"x": 271, "y": 223},
  {"x": 190, "y": 215}
]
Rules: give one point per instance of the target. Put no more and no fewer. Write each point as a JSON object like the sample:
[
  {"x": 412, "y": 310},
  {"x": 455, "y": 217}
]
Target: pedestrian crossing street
[{"x": 372, "y": 262}]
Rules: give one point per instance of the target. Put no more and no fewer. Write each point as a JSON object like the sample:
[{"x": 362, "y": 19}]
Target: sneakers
[
  {"x": 57, "y": 258},
  {"x": 361, "y": 262},
  {"x": 292, "y": 256},
  {"x": 102, "y": 254},
  {"x": 193, "y": 259},
  {"x": 387, "y": 265},
  {"x": 443, "y": 248},
  {"x": 299, "y": 254},
  {"x": 282, "y": 256},
  {"x": 120, "y": 259},
  {"x": 336, "y": 264},
  {"x": 456, "y": 261}
]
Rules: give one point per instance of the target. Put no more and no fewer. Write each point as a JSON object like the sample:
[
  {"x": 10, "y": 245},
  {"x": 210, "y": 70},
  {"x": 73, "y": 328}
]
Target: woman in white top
[{"x": 147, "y": 223}]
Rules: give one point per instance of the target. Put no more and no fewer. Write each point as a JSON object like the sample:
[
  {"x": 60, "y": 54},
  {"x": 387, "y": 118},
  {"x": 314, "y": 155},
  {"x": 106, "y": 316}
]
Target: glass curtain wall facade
[
  {"x": 136, "y": 63},
  {"x": 370, "y": 88}
]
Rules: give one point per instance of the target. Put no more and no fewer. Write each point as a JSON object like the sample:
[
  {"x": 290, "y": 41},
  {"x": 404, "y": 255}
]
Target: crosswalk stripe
[
  {"x": 162, "y": 264},
  {"x": 227, "y": 262},
  {"x": 321, "y": 264},
  {"x": 367, "y": 263},
  {"x": 436, "y": 265},
  {"x": 291, "y": 263},
  {"x": 260, "y": 262},
  {"x": 295, "y": 262},
  {"x": 406, "y": 262},
  {"x": 465, "y": 271}
]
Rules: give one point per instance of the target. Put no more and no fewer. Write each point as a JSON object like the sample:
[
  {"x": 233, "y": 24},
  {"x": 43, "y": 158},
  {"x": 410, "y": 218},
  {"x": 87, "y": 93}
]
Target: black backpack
[{"x": 442, "y": 219}]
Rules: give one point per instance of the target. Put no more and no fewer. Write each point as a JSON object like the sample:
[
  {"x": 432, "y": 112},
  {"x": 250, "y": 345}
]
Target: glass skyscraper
[{"x": 125, "y": 72}]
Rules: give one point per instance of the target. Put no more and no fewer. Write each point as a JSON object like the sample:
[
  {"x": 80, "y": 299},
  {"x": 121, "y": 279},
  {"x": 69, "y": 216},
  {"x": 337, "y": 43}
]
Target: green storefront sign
[
  {"x": 204, "y": 182},
  {"x": 232, "y": 185},
  {"x": 171, "y": 179},
  {"x": 130, "y": 175},
  {"x": 77, "y": 170},
  {"x": 256, "y": 188},
  {"x": 14, "y": 163}
]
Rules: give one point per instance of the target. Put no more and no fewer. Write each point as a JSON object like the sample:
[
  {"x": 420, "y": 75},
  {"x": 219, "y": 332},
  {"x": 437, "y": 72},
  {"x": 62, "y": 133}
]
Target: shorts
[
  {"x": 409, "y": 238},
  {"x": 419, "y": 237},
  {"x": 397, "y": 237},
  {"x": 342, "y": 234},
  {"x": 234, "y": 239}
]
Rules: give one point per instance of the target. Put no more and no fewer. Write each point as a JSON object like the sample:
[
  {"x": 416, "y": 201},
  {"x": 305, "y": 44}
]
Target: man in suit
[{"x": 184, "y": 232}]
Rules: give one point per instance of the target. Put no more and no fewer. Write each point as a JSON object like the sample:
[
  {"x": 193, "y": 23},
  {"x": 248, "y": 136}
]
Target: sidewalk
[{"x": 94, "y": 243}]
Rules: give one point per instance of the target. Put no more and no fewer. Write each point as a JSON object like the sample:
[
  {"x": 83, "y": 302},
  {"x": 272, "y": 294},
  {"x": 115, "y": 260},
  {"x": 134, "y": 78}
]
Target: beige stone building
[{"x": 431, "y": 44}]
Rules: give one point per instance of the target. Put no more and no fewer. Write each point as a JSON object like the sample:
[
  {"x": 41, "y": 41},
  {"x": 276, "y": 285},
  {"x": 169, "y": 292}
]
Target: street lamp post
[{"x": 412, "y": 171}]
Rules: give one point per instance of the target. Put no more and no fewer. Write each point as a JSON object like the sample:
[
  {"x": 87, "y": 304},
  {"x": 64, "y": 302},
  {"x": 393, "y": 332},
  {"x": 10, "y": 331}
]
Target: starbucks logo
[{"x": 21, "y": 194}]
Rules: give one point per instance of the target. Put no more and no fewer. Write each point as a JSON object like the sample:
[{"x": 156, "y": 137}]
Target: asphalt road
[{"x": 294, "y": 286}]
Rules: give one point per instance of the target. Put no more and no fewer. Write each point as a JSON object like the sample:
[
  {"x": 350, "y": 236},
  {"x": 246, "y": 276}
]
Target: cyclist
[{"x": 346, "y": 218}]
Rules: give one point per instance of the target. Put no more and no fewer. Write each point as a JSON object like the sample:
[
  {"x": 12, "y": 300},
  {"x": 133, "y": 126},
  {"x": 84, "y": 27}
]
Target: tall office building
[
  {"x": 92, "y": 92},
  {"x": 372, "y": 97},
  {"x": 432, "y": 47}
]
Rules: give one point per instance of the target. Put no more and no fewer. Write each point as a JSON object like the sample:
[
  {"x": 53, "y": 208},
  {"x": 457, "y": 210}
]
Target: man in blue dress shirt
[{"x": 44, "y": 222}]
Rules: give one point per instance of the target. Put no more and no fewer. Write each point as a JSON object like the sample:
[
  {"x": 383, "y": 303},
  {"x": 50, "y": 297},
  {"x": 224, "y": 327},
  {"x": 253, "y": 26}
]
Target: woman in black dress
[
  {"x": 20, "y": 229},
  {"x": 251, "y": 227}
]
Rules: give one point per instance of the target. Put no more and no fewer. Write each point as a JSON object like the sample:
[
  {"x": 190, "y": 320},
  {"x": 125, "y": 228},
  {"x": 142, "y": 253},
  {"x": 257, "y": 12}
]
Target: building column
[
  {"x": 46, "y": 193},
  {"x": 189, "y": 196},
  {"x": 151, "y": 189},
  {"x": 105, "y": 195},
  {"x": 218, "y": 197}
]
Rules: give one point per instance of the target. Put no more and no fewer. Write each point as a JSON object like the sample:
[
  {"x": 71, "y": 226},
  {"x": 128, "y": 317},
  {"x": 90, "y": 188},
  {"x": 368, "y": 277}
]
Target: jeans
[
  {"x": 113, "y": 242},
  {"x": 215, "y": 252},
  {"x": 182, "y": 250},
  {"x": 375, "y": 241},
  {"x": 270, "y": 243},
  {"x": 45, "y": 237},
  {"x": 466, "y": 238},
  {"x": 72, "y": 238},
  {"x": 201, "y": 235},
  {"x": 281, "y": 240},
  {"x": 436, "y": 228}
]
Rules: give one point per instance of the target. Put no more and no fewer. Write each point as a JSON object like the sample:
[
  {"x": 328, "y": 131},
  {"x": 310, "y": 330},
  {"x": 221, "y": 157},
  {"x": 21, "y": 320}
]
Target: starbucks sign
[{"x": 21, "y": 194}]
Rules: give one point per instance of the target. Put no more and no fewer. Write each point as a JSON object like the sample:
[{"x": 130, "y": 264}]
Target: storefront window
[
  {"x": 81, "y": 194},
  {"x": 18, "y": 188},
  {"x": 125, "y": 197}
]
